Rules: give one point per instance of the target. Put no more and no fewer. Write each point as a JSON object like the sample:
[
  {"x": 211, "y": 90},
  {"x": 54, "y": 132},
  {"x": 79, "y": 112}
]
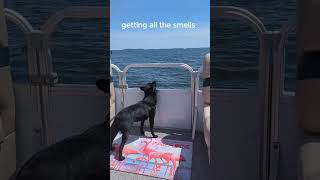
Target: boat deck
[{"x": 200, "y": 164}]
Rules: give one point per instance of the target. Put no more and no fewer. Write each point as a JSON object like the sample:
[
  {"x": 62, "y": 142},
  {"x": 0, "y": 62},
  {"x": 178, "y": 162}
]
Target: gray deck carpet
[{"x": 200, "y": 164}]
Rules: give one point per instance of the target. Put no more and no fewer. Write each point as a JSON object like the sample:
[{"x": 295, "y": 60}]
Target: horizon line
[{"x": 158, "y": 48}]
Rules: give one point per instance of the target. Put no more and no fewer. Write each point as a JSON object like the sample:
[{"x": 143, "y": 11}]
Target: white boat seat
[
  {"x": 112, "y": 97},
  {"x": 206, "y": 101},
  {"x": 310, "y": 158},
  {"x": 308, "y": 101},
  {"x": 308, "y": 86}
]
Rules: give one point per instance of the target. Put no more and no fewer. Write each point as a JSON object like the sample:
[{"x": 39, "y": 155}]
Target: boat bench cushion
[
  {"x": 206, "y": 101},
  {"x": 308, "y": 101},
  {"x": 310, "y": 158},
  {"x": 112, "y": 96},
  {"x": 206, "y": 125},
  {"x": 112, "y": 101},
  {"x": 206, "y": 75}
]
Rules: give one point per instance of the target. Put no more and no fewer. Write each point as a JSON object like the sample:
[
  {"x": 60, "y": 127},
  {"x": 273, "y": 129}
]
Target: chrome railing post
[
  {"x": 120, "y": 82},
  {"x": 275, "y": 100},
  {"x": 264, "y": 91},
  {"x": 38, "y": 59},
  {"x": 279, "y": 42},
  {"x": 235, "y": 13},
  {"x": 194, "y": 107},
  {"x": 123, "y": 87}
]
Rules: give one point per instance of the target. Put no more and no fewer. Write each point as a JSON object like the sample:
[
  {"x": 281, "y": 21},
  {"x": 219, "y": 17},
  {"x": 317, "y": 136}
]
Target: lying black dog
[
  {"x": 82, "y": 157},
  {"x": 140, "y": 111}
]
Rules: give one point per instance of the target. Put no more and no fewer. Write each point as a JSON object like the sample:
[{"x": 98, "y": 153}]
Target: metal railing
[
  {"x": 268, "y": 104},
  {"x": 193, "y": 74},
  {"x": 38, "y": 53}
]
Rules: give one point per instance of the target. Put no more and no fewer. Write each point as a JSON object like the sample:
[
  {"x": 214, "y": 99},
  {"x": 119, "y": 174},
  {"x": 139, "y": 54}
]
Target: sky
[{"x": 169, "y": 11}]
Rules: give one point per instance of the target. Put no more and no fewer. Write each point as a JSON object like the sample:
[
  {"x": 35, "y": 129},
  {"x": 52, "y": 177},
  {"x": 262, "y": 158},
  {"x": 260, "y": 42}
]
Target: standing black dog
[{"x": 140, "y": 111}]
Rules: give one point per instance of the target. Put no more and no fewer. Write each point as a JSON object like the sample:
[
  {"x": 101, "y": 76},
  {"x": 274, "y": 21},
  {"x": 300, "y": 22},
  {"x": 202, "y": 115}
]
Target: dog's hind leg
[
  {"x": 141, "y": 127},
  {"x": 151, "y": 119},
  {"x": 113, "y": 134},
  {"x": 125, "y": 135}
]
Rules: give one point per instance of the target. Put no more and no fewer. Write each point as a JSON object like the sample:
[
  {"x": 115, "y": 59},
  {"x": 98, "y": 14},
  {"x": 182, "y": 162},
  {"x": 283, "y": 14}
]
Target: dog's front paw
[
  {"x": 121, "y": 158},
  {"x": 154, "y": 136}
]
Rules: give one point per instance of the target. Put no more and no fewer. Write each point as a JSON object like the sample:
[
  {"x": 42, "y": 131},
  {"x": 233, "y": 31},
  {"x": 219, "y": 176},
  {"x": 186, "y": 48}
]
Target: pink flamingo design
[
  {"x": 170, "y": 157},
  {"x": 148, "y": 155},
  {"x": 155, "y": 156},
  {"x": 126, "y": 152},
  {"x": 146, "y": 151}
]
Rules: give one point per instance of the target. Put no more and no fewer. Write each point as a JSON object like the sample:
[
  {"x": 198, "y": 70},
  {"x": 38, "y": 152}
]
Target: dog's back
[
  {"x": 127, "y": 116},
  {"x": 135, "y": 112}
]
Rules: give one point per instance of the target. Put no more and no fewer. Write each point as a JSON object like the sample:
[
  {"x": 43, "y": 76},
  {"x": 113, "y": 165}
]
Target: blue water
[
  {"x": 235, "y": 45},
  {"x": 81, "y": 59},
  {"x": 78, "y": 47},
  {"x": 165, "y": 77}
]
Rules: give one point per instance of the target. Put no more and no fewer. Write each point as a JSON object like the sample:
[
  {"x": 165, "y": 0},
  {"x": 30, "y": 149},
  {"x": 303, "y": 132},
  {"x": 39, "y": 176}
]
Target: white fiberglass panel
[{"x": 173, "y": 106}]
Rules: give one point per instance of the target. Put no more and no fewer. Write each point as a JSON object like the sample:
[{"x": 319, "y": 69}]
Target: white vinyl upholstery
[
  {"x": 112, "y": 97},
  {"x": 310, "y": 158},
  {"x": 308, "y": 101},
  {"x": 206, "y": 101}
]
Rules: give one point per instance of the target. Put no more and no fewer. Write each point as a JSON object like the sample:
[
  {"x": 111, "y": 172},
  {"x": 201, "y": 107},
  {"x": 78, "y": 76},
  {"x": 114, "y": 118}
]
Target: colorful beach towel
[{"x": 156, "y": 157}]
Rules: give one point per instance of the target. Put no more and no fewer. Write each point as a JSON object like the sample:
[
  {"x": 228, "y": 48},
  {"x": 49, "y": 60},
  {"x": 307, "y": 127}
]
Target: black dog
[
  {"x": 81, "y": 157},
  {"x": 140, "y": 111}
]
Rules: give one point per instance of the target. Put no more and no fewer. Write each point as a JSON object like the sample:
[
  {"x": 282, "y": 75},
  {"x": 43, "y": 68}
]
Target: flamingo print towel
[{"x": 156, "y": 157}]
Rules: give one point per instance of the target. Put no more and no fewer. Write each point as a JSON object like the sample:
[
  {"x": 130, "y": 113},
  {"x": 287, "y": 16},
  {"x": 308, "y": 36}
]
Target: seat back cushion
[
  {"x": 112, "y": 96},
  {"x": 310, "y": 158},
  {"x": 206, "y": 80},
  {"x": 308, "y": 92}
]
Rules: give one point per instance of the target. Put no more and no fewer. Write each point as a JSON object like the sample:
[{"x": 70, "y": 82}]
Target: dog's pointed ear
[
  {"x": 142, "y": 88},
  {"x": 103, "y": 85},
  {"x": 154, "y": 82}
]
